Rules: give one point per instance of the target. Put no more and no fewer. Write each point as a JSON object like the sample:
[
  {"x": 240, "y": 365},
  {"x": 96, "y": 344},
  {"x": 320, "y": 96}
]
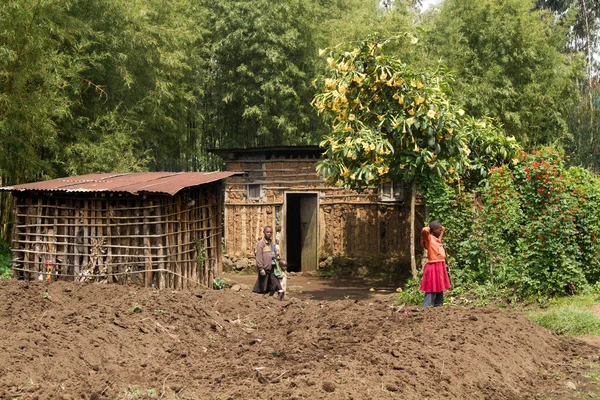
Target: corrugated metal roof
[{"x": 134, "y": 183}]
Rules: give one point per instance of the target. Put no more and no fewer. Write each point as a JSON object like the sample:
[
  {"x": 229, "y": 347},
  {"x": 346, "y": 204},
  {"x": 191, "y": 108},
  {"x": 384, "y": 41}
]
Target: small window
[
  {"x": 391, "y": 191},
  {"x": 254, "y": 192}
]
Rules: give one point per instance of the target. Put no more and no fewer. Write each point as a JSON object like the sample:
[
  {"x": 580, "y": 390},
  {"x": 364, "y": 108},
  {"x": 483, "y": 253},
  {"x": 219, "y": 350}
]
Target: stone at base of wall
[
  {"x": 389, "y": 268},
  {"x": 238, "y": 264},
  {"x": 395, "y": 268}
]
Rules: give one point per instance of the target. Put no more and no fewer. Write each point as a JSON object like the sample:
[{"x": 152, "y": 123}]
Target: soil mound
[{"x": 90, "y": 341}]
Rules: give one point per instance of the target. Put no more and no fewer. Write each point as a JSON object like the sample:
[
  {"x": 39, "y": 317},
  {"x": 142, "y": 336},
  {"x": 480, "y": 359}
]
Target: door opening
[{"x": 301, "y": 238}]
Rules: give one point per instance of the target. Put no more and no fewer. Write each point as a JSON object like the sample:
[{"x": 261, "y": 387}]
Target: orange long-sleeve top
[{"x": 433, "y": 245}]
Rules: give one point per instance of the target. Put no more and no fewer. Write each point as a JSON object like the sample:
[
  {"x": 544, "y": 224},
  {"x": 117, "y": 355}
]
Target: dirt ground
[
  {"x": 316, "y": 288},
  {"x": 69, "y": 340}
]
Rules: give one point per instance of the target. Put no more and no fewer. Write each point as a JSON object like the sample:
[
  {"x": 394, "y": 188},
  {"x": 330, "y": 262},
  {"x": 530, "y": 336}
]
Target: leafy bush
[
  {"x": 219, "y": 283},
  {"x": 531, "y": 228},
  {"x": 410, "y": 294},
  {"x": 5, "y": 261}
]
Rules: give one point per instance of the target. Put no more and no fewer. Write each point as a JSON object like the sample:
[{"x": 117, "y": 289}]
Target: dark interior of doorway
[{"x": 293, "y": 233}]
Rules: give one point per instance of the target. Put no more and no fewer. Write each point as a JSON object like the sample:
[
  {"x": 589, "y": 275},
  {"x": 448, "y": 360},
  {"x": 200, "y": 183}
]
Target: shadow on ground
[{"x": 317, "y": 288}]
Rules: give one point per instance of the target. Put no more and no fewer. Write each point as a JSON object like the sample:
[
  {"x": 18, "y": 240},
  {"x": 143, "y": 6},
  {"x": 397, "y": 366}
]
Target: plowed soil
[{"x": 97, "y": 341}]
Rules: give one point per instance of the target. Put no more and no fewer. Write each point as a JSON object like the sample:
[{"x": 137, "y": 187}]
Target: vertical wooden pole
[
  {"x": 70, "y": 231},
  {"x": 136, "y": 242},
  {"x": 166, "y": 217},
  {"x": 210, "y": 253},
  {"x": 86, "y": 235},
  {"x": 57, "y": 265},
  {"x": 180, "y": 255},
  {"x": 159, "y": 245},
  {"x": 110, "y": 240},
  {"x": 78, "y": 240},
  {"x": 185, "y": 233},
  {"x": 192, "y": 232},
  {"x": 124, "y": 231},
  {"x": 27, "y": 246},
  {"x": 50, "y": 256},
  {"x": 147, "y": 247},
  {"x": 40, "y": 259},
  {"x": 413, "y": 200},
  {"x": 206, "y": 234},
  {"x": 219, "y": 228}
]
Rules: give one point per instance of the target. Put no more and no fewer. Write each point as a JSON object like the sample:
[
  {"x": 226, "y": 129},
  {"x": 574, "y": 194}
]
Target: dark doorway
[{"x": 302, "y": 210}]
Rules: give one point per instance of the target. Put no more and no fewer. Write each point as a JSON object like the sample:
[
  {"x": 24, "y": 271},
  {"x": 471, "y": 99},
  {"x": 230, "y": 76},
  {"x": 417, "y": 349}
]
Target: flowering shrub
[
  {"x": 532, "y": 227},
  {"x": 392, "y": 121}
]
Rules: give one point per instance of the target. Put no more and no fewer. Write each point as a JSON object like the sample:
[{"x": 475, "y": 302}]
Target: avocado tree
[{"x": 391, "y": 121}]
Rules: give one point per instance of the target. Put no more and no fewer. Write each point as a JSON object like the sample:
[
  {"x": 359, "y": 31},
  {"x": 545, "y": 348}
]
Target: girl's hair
[{"x": 434, "y": 225}]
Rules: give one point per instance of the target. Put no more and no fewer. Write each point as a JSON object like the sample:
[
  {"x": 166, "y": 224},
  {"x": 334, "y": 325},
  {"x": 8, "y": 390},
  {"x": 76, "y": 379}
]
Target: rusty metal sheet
[{"x": 134, "y": 183}]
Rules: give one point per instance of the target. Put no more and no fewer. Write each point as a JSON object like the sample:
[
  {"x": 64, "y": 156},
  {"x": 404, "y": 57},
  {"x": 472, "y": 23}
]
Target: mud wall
[{"x": 350, "y": 223}]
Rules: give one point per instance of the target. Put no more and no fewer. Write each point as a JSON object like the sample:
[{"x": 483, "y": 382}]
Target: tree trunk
[{"x": 413, "y": 200}]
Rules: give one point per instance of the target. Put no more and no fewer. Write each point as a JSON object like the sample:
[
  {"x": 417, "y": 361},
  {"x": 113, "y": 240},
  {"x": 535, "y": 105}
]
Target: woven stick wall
[{"x": 160, "y": 241}]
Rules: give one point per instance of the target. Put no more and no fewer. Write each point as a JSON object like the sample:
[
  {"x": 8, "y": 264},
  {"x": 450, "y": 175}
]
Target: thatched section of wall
[{"x": 157, "y": 240}]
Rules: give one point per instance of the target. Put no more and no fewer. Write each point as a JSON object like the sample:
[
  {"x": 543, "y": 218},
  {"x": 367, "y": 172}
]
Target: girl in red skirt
[{"x": 435, "y": 274}]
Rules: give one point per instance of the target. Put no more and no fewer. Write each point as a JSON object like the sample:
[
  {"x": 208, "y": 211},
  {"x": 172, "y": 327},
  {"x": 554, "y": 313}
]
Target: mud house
[
  {"x": 315, "y": 222},
  {"x": 161, "y": 229}
]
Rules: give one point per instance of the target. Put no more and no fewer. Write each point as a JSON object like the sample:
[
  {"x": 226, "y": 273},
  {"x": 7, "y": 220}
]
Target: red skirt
[{"x": 435, "y": 277}]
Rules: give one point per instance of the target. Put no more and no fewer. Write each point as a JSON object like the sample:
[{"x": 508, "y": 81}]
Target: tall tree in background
[
  {"x": 509, "y": 62},
  {"x": 262, "y": 62},
  {"x": 138, "y": 109},
  {"x": 390, "y": 120},
  {"x": 37, "y": 83},
  {"x": 583, "y": 19}
]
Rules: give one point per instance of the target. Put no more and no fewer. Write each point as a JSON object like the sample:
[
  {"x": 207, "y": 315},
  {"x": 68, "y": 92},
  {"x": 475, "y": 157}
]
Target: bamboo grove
[{"x": 148, "y": 85}]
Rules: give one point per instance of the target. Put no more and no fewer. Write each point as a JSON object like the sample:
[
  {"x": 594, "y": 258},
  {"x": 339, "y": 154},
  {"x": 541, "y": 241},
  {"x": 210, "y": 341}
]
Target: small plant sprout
[
  {"x": 46, "y": 296},
  {"x": 136, "y": 308},
  {"x": 251, "y": 324}
]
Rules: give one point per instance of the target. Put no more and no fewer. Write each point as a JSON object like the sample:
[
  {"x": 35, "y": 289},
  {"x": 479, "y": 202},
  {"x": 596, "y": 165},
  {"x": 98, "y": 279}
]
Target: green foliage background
[
  {"x": 145, "y": 85},
  {"x": 531, "y": 228}
]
